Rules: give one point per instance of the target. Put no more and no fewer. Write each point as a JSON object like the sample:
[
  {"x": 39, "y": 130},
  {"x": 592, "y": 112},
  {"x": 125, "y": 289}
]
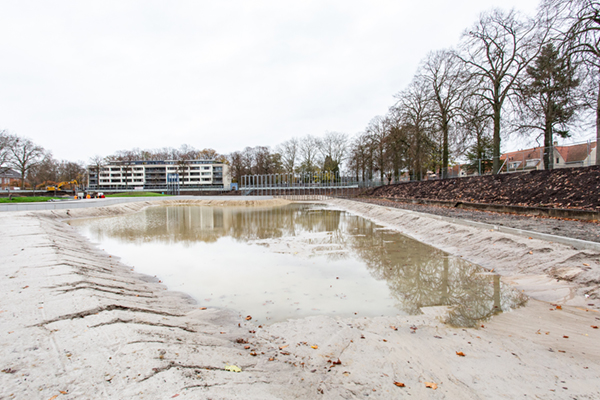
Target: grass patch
[
  {"x": 31, "y": 199},
  {"x": 137, "y": 194}
]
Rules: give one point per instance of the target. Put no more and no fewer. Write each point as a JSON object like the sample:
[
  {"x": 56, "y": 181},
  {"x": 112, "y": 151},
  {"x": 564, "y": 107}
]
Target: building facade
[
  {"x": 10, "y": 178},
  {"x": 159, "y": 175}
]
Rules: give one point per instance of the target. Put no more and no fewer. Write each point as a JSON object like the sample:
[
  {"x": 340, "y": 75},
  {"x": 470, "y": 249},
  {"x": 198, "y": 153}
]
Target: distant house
[
  {"x": 577, "y": 155},
  {"x": 10, "y": 176}
]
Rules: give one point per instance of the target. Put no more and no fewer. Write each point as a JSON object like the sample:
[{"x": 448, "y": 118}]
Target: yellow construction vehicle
[{"x": 59, "y": 187}]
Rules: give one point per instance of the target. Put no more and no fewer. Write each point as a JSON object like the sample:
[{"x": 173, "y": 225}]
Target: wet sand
[{"x": 77, "y": 323}]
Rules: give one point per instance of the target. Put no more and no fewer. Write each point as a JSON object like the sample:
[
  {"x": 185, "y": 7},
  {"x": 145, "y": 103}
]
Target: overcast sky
[{"x": 83, "y": 78}]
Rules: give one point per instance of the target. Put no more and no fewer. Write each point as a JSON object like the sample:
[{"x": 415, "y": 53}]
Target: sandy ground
[
  {"x": 76, "y": 323},
  {"x": 584, "y": 230}
]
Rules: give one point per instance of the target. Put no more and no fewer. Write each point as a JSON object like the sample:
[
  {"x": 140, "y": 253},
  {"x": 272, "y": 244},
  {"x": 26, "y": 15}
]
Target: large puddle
[{"x": 297, "y": 261}]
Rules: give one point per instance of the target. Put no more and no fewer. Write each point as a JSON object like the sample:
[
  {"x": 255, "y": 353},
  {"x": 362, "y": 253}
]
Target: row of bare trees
[
  {"x": 509, "y": 74},
  {"x": 306, "y": 155},
  {"x": 35, "y": 165},
  {"x": 184, "y": 152}
]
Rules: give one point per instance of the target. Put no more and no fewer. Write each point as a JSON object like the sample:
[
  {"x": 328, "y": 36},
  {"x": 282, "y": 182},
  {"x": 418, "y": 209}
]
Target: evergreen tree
[{"x": 549, "y": 104}]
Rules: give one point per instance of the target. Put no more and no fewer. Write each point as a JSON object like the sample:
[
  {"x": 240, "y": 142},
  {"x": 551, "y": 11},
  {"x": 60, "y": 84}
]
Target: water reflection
[{"x": 306, "y": 247}]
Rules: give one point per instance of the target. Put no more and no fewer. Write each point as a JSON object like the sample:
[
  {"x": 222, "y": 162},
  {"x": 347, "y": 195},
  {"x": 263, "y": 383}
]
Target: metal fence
[
  {"x": 303, "y": 186},
  {"x": 580, "y": 154}
]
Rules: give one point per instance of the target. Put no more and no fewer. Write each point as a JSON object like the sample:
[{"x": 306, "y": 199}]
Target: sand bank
[{"x": 77, "y": 323}]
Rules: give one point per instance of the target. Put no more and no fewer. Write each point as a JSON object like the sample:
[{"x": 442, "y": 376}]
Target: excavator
[{"x": 59, "y": 187}]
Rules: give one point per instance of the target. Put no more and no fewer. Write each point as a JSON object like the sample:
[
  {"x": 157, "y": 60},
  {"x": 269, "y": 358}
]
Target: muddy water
[{"x": 297, "y": 261}]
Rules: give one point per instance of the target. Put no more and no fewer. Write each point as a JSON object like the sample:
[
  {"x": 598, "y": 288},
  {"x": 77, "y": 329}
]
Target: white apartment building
[{"x": 158, "y": 175}]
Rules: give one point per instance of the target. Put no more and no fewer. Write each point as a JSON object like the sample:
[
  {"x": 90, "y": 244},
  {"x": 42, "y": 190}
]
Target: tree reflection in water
[
  {"x": 417, "y": 275},
  {"x": 430, "y": 277}
]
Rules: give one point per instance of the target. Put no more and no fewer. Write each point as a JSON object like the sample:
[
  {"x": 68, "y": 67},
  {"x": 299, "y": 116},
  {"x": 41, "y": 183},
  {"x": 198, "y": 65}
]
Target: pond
[{"x": 297, "y": 260}]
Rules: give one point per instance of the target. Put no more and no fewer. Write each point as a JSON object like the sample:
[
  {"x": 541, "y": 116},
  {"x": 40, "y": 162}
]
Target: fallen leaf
[
  {"x": 271, "y": 359},
  {"x": 559, "y": 307},
  {"x": 9, "y": 371},
  {"x": 202, "y": 308},
  {"x": 283, "y": 347},
  {"x": 314, "y": 347},
  {"x": 53, "y": 397},
  {"x": 246, "y": 347},
  {"x": 175, "y": 395},
  {"x": 530, "y": 238},
  {"x": 399, "y": 384},
  {"x": 393, "y": 327},
  {"x": 586, "y": 264},
  {"x": 248, "y": 318},
  {"x": 62, "y": 392},
  {"x": 460, "y": 354},
  {"x": 594, "y": 326},
  {"x": 565, "y": 337},
  {"x": 233, "y": 368},
  {"x": 431, "y": 385}
]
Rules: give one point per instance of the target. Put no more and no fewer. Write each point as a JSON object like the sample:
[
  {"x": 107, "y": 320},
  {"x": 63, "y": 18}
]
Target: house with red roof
[{"x": 577, "y": 155}]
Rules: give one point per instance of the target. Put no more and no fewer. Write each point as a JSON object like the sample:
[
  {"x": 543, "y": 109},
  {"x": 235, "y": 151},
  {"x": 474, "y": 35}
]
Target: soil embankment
[
  {"x": 568, "y": 188},
  {"x": 75, "y": 322}
]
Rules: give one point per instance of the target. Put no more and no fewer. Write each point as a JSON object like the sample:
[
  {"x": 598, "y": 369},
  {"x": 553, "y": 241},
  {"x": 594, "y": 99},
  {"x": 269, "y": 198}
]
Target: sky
[{"x": 85, "y": 78}]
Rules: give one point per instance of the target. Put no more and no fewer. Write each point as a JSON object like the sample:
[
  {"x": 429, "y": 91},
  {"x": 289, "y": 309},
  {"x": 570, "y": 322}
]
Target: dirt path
[{"x": 76, "y": 323}]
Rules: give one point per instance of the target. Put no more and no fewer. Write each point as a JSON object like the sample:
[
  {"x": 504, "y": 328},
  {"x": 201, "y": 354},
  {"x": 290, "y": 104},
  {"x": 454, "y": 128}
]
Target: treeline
[
  {"x": 306, "y": 155},
  {"x": 509, "y": 74},
  {"x": 184, "y": 152},
  {"x": 35, "y": 165}
]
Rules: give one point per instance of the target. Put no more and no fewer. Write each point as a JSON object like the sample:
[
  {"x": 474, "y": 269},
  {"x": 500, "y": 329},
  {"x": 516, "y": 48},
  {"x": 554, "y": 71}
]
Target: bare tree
[
  {"x": 447, "y": 82},
  {"x": 333, "y": 145},
  {"x": 496, "y": 51},
  {"x": 6, "y": 140},
  {"x": 309, "y": 151},
  {"x": 24, "y": 155},
  {"x": 396, "y": 142},
  {"x": 96, "y": 164},
  {"x": 70, "y": 170},
  {"x": 208, "y": 154},
  {"x": 361, "y": 157},
  {"x": 377, "y": 133},
  {"x": 44, "y": 173},
  {"x": 237, "y": 167},
  {"x": 289, "y": 154},
  {"x": 475, "y": 125},
  {"x": 415, "y": 113}
]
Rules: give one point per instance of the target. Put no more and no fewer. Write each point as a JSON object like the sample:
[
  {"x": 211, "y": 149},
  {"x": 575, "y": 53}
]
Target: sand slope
[{"x": 73, "y": 319}]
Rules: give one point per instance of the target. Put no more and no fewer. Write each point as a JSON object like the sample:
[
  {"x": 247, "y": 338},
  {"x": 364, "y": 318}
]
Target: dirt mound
[{"x": 561, "y": 188}]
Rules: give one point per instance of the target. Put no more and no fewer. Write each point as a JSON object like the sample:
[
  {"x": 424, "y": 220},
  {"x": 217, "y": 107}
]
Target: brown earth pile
[{"x": 560, "y": 188}]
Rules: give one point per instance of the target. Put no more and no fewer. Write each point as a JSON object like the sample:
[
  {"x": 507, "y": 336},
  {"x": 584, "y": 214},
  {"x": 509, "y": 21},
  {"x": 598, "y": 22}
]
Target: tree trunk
[
  {"x": 496, "y": 154},
  {"x": 445, "y": 152},
  {"x": 598, "y": 127},
  {"x": 548, "y": 149}
]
